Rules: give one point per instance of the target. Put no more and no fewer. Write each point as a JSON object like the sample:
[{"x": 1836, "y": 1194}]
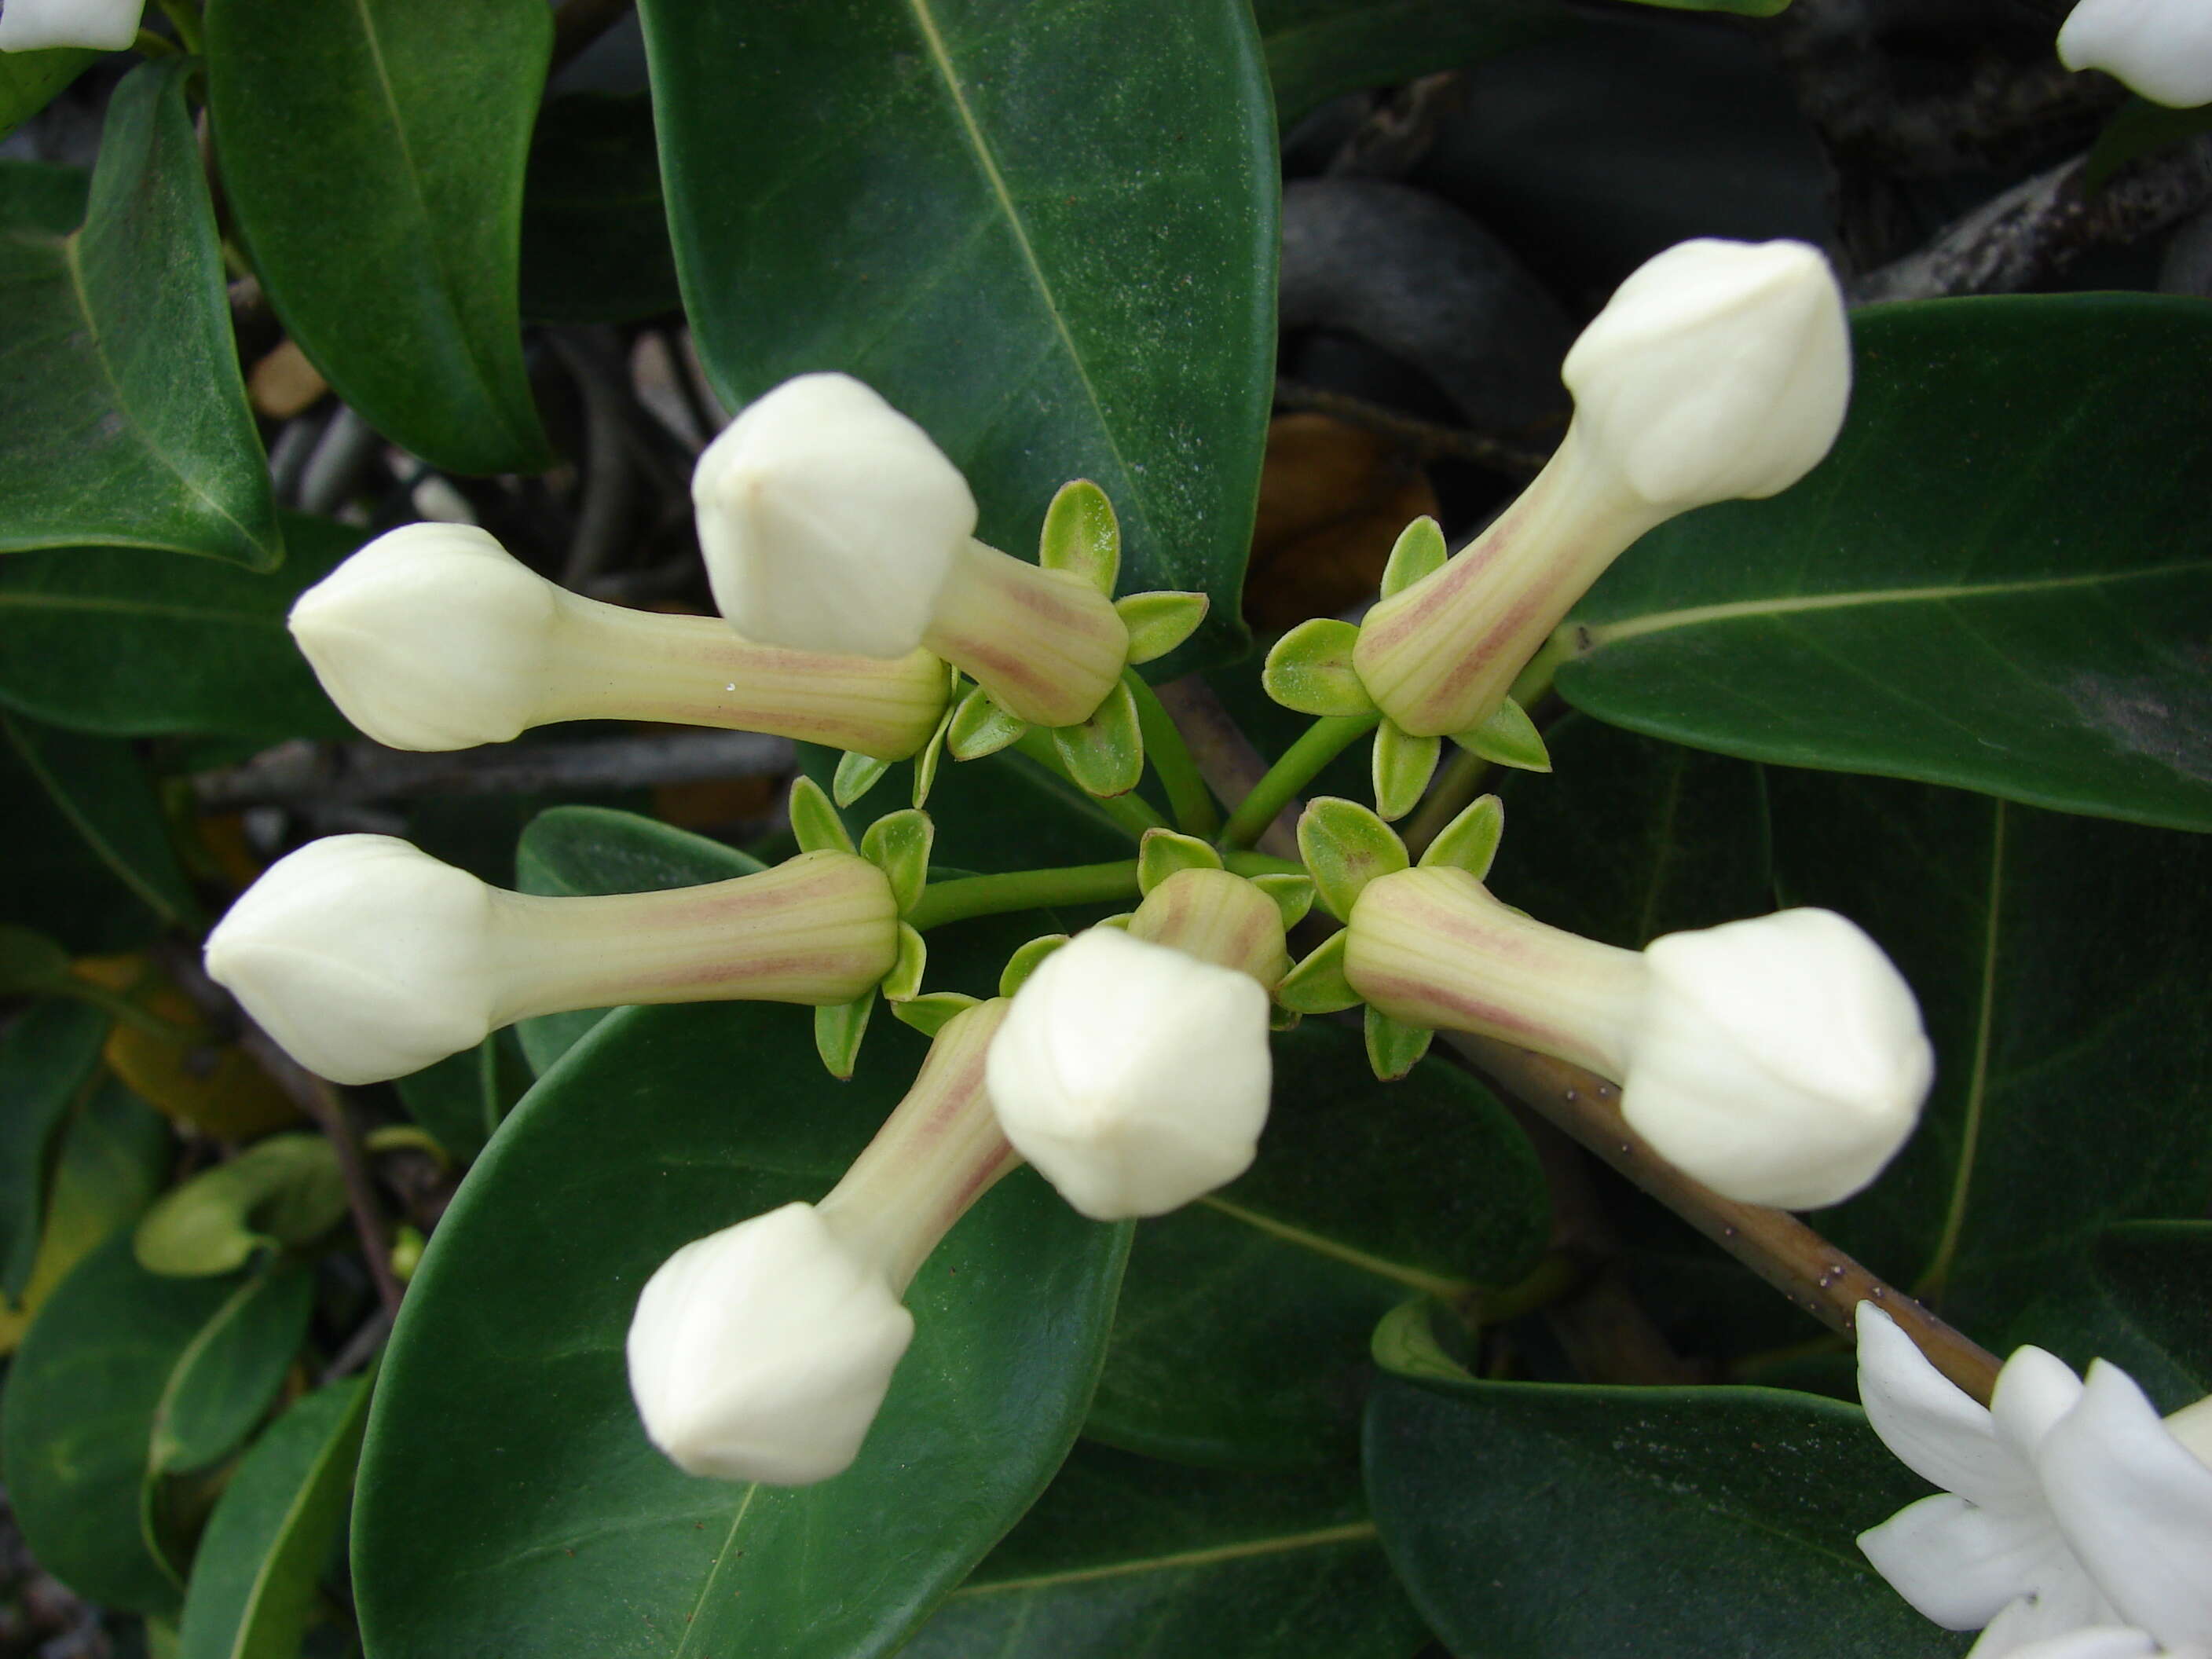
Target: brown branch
[
  {"x": 1425, "y": 439},
  {"x": 1773, "y": 1243},
  {"x": 1225, "y": 757}
]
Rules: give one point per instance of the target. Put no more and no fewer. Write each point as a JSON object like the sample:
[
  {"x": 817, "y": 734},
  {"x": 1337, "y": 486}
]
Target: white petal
[
  {"x": 34, "y": 25},
  {"x": 1934, "y": 1428},
  {"x": 2033, "y": 1391},
  {"x": 2160, "y": 48},
  {"x": 2098, "y": 1642},
  {"x": 1961, "y": 1564},
  {"x": 2135, "y": 1506}
]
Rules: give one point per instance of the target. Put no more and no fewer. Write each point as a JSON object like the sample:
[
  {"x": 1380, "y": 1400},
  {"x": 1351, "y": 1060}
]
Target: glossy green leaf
[
  {"x": 1245, "y": 1317},
  {"x": 227, "y": 1376},
  {"x": 416, "y": 115},
  {"x": 80, "y": 1415},
  {"x": 49, "y": 1063},
  {"x": 83, "y": 852},
  {"x": 509, "y": 1500},
  {"x": 2135, "y": 1297},
  {"x": 1123, "y": 1556},
  {"x": 1403, "y": 764},
  {"x": 41, "y": 195},
  {"x": 2001, "y": 580},
  {"x": 465, "y": 1096},
  {"x": 281, "y": 1191},
  {"x": 594, "y": 232},
  {"x": 1309, "y": 670},
  {"x": 584, "y": 850},
  {"x": 206, "y": 644},
  {"x": 29, "y": 81},
  {"x": 124, "y": 419},
  {"x": 1064, "y": 268},
  {"x": 1724, "y": 1520},
  {"x": 1105, "y": 754},
  {"x": 1317, "y": 49},
  {"x": 255, "y": 1582},
  {"x": 1344, "y": 847}
]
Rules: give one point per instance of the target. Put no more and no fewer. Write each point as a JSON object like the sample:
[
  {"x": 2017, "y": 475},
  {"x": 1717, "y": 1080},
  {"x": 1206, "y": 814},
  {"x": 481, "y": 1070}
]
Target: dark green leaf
[
  {"x": 85, "y": 853},
  {"x": 594, "y": 232},
  {"x": 49, "y": 1061},
  {"x": 465, "y": 1096},
  {"x": 80, "y": 1412},
  {"x": 2001, "y": 579},
  {"x": 2140, "y": 129},
  {"x": 1319, "y": 48},
  {"x": 285, "y": 1190},
  {"x": 1063, "y": 267},
  {"x": 30, "y": 79},
  {"x": 585, "y": 850},
  {"x": 40, "y": 195},
  {"x": 255, "y": 1581},
  {"x": 1244, "y": 1331},
  {"x": 218, "y": 1387},
  {"x": 2136, "y": 1298},
  {"x": 131, "y": 643},
  {"x": 509, "y": 1501},
  {"x": 124, "y": 418},
  {"x": 1124, "y": 1556},
  {"x": 1530, "y": 1521},
  {"x": 374, "y": 152}
]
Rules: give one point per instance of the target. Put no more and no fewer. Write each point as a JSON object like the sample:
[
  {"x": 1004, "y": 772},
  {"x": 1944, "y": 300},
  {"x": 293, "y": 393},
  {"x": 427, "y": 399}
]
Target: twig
[
  {"x": 340, "y": 455},
  {"x": 1774, "y": 1244},
  {"x": 1402, "y": 128},
  {"x": 1224, "y": 756},
  {"x": 304, "y": 774},
  {"x": 1426, "y": 439},
  {"x": 2043, "y": 225},
  {"x": 610, "y": 484},
  {"x": 360, "y": 1348}
]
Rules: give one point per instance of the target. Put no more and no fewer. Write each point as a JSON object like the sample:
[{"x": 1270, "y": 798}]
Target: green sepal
[
  {"x": 980, "y": 727},
  {"x": 1162, "y": 853},
  {"x": 814, "y": 822},
  {"x": 857, "y": 773},
  {"x": 1404, "y": 1344},
  {"x": 838, "y": 1029},
  {"x": 1293, "y": 896},
  {"x": 898, "y": 844},
  {"x": 1104, "y": 754},
  {"x": 1469, "y": 841},
  {"x": 1024, "y": 961},
  {"x": 1420, "y": 551},
  {"x": 926, "y": 758},
  {"x": 1344, "y": 847},
  {"x": 1403, "y": 766},
  {"x": 932, "y": 1013},
  {"x": 1393, "y": 1047},
  {"x": 1317, "y": 985},
  {"x": 1283, "y": 1019},
  {"x": 904, "y": 982},
  {"x": 281, "y": 1191},
  {"x": 1159, "y": 621},
  {"x": 1508, "y": 738},
  {"x": 1119, "y": 924},
  {"x": 1081, "y": 535},
  {"x": 1309, "y": 670}
]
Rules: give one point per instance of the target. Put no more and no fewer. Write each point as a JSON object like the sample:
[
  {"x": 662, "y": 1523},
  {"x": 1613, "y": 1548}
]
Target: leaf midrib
[{"x": 1352, "y": 1532}]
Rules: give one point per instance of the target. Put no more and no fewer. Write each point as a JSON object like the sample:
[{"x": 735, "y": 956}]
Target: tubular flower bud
[
  {"x": 1133, "y": 1076},
  {"x": 763, "y": 1352},
  {"x": 1780, "y": 1061},
  {"x": 103, "y": 25},
  {"x": 1216, "y": 917},
  {"x": 434, "y": 637},
  {"x": 2159, "y": 48},
  {"x": 2071, "y": 1517},
  {"x": 831, "y": 522},
  {"x": 367, "y": 959},
  {"x": 1717, "y": 370}
]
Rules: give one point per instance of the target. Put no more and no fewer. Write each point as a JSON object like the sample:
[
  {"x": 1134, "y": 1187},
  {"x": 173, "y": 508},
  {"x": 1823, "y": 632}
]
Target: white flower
[
  {"x": 2160, "y": 48},
  {"x": 1781, "y": 1060},
  {"x": 1718, "y": 369},
  {"x": 2106, "y": 1642},
  {"x": 34, "y": 25},
  {"x": 830, "y": 521},
  {"x": 2068, "y": 1506},
  {"x": 762, "y": 1352},
  {"x": 1134, "y": 1077}
]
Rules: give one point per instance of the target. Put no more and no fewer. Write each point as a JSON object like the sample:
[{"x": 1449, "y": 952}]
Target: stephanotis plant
[{"x": 706, "y": 957}]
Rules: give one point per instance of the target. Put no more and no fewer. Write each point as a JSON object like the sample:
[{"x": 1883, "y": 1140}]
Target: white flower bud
[
  {"x": 362, "y": 956},
  {"x": 1717, "y": 370},
  {"x": 1780, "y": 1061},
  {"x": 2160, "y": 48},
  {"x": 830, "y": 521},
  {"x": 1135, "y": 1078},
  {"x": 103, "y": 25},
  {"x": 762, "y": 1352}
]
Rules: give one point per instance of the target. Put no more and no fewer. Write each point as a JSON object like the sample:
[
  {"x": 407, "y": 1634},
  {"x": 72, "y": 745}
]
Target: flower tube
[
  {"x": 831, "y": 522},
  {"x": 763, "y": 1352},
  {"x": 36, "y": 25},
  {"x": 1717, "y": 370},
  {"x": 366, "y": 958},
  {"x": 434, "y": 637}
]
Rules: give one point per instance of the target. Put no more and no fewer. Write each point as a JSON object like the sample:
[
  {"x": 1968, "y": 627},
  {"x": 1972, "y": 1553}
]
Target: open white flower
[
  {"x": 35, "y": 25},
  {"x": 2068, "y": 1506},
  {"x": 2159, "y": 48}
]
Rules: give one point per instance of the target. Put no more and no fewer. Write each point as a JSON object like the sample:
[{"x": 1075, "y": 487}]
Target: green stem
[
  {"x": 1323, "y": 741},
  {"x": 1534, "y": 683},
  {"x": 1131, "y": 811},
  {"x": 957, "y": 899},
  {"x": 186, "y": 22},
  {"x": 150, "y": 45},
  {"x": 1195, "y": 812}
]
